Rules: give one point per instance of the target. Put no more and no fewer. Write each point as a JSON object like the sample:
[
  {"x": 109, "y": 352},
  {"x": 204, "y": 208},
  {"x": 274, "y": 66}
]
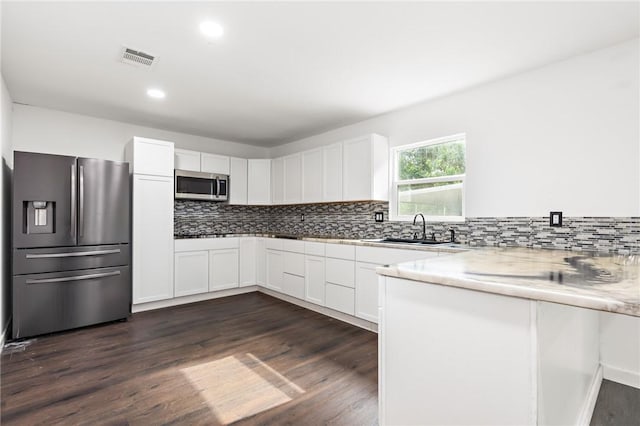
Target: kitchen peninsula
[{"x": 509, "y": 334}]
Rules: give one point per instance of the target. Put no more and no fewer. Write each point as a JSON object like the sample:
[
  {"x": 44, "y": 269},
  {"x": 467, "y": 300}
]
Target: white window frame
[{"x": 396, "y": 182}]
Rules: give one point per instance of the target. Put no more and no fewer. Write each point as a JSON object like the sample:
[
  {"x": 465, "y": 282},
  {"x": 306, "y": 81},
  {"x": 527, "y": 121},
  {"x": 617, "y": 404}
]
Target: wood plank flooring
[{"x": 247, "y": 359}]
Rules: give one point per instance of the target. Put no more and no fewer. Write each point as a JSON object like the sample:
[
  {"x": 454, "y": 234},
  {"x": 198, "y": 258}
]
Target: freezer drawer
[
  {"x": 45, "y": 303},
  {"x": 35, "y": 261}
]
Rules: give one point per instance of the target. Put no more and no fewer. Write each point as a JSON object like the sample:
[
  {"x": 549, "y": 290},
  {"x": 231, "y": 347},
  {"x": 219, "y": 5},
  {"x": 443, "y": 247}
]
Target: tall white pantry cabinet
[{"x": 151, "y": 165}]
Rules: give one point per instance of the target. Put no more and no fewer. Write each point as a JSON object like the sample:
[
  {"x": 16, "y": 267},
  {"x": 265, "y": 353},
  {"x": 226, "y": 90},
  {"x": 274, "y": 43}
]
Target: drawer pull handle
[{"x": 75, "y": 278}]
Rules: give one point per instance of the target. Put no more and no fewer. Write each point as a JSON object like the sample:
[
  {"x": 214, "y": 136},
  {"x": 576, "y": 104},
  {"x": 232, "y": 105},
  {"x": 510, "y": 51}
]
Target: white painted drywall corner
[
  {"x": 6, "y": 149},
  {"x": 620, "y": 348},
  {"x": 560, "y": 137},
  {"x": 56, "y": 132}
]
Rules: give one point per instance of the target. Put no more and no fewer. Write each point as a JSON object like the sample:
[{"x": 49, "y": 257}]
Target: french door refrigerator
[{"x": 71, "y": 233}]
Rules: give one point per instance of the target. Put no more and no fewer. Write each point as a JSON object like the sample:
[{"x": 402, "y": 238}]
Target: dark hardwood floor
[{"x": 248, "y": 359}]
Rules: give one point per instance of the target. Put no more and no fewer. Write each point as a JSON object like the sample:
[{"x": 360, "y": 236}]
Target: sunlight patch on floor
[{"x": 237, "y": 387}]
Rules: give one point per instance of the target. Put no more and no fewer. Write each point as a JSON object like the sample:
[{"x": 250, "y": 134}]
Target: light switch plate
[{"x": 555, "y": 219}]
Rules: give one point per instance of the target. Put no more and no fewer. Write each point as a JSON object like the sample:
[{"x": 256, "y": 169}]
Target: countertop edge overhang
[{"x": 609, "y": 283}]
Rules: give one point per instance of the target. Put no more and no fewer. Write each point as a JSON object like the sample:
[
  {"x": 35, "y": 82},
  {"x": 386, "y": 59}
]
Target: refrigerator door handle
[
  {"x": 75, "y": 278},
  {"x": 72, "y": 254},
  {"x": 81, "y": 195},
  {"x": 73, "y": 201}
]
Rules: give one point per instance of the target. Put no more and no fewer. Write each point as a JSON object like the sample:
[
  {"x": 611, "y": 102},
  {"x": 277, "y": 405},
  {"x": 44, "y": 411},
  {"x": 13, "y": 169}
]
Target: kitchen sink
[{"x": 408, "y": 241}]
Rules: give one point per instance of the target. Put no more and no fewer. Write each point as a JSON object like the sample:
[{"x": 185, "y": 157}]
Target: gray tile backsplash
[{"x": 356, "y": 220}]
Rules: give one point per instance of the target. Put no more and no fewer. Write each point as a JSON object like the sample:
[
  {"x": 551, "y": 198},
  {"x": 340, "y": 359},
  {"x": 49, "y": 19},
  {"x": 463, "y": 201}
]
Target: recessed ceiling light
[
  {"x": 156, "y": 93},
  {"x": 211, "y": 29}
]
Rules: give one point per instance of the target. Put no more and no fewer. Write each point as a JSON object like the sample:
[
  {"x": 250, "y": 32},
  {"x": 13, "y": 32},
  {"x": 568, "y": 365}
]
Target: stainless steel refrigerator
[{"x": 71, "y": 233}]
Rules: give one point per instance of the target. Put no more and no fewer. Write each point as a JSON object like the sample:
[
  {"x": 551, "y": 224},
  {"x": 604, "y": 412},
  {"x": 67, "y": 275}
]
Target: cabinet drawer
[
  {"x": 341, "y": 251},
  {"x": 293, "y": 263},
  {"x": 293, "y": 285},
  {"x": 340, "y": 271},
  {"x": 274, "y": 243},
  {"x": 389, "y": 256},
  {"x": 316, "y": 249},
  {"x": 340, "y": 298},
  {"x": 295, "y": 246},
  {"x": 194, "y": 244}
]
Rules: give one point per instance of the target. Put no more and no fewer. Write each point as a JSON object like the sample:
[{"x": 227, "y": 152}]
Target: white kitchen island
[{"x": 497, "y": 336}]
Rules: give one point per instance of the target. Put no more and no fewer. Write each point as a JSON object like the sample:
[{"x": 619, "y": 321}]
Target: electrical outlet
[
  {"x": 555, "y": 219},
  {"x": 379, "y": 216},
  {"x": 302, "y": 217}
]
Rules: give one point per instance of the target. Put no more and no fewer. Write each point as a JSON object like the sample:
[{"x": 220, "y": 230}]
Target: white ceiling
[{"x": 284, "y": 71}]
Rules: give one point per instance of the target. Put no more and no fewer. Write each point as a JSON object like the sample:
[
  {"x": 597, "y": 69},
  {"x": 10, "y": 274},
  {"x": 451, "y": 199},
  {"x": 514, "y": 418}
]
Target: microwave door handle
[{"x": 217, "y": 194}]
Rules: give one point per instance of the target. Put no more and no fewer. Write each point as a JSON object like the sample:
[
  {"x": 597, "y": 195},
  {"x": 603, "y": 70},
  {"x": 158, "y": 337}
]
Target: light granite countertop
[
  {"x": 441, "y": 248},
  {"x": 589, "y": 280}
]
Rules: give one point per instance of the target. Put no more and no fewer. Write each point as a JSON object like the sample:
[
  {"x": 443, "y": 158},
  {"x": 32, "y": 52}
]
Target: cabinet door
[
  {"x": 247, "y": 262},
  {"x": 238, "y": 181},
  {"x": 312, "y": 176},
  {"x": 339, "y": 298},
  {"x": 314, "y": 279},
  {"x": 151, "y": 157},
  {"x": 191, "y": 272},
  {"x": 356, "y": 170},
  {"x": 277, "y": 181},
  {"x": 367, "y": 291},
  {"x": 187, "y": 160},
  {"x": 259, "y": 182},
  {"x": 212, "y": 163},
  {"x": 223, "y": 269},
  {"x": 261, "y": 262},
  {"x": 152, "y": 238},
  {"x": 332, "y": 172},
  {"x": 293, "y": 179},
  {"x": 293, "y": 285},
  {"x": 274, "y": 270}
]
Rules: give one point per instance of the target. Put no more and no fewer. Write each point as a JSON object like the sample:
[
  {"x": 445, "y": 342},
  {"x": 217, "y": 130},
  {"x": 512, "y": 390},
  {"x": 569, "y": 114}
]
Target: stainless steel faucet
[{"x": 424, "y": 225}]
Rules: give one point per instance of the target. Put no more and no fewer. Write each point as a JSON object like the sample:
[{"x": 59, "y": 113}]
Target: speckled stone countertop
[
  {"x": 441, "y": 248},
  {"x": 589, "y": 280}
]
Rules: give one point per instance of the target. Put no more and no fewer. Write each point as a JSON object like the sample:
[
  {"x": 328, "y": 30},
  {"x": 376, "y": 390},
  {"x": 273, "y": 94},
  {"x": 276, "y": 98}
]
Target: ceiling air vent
[{"x": 137, "y": 57}]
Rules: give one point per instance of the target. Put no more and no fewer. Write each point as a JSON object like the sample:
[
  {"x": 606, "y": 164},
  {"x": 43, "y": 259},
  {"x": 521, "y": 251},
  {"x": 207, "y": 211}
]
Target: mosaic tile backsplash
[{"x": 356, "y": 220}]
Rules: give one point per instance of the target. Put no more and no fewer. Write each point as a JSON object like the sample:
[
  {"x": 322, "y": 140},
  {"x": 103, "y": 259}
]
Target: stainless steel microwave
[{"x": 201, "y": 186}]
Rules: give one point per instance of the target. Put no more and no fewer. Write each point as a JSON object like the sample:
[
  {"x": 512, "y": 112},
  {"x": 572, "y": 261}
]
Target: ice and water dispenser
[{"x": 38, "y": 217}]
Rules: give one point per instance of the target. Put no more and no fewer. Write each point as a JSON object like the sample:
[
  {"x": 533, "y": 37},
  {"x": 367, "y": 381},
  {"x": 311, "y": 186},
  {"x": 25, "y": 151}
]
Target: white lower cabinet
[
  {"x": 274, "y": 269},
  {"x": 340, "y": 298},
  {"x": 367, "y": 291},
  {"x": 223, "y": 269},
  {"x": 248, "y": 264},
  {"x": 261, "y": 262},
  {"x": 191, "y": 273},
  {"x": 314, "y": 281},
  {"x": 293, "y": 285}
]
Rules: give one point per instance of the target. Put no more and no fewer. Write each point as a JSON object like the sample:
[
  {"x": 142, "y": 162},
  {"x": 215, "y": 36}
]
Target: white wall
[
  {"x": 562, "y": 137},
  {"x": 56, "y": 132},
  {"x": 5, "y": 203}
]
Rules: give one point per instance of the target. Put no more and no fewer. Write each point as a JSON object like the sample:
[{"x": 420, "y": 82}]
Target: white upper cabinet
[
  {"x": 187, "y": 160},
  {"x": 238, "y": 181},
  {"x": 212, "y": 163},
  {"x": 312, "y": 176},
  {"x": 259, "y": 182},
  {"x": 332, "y": 172},
  {"x": 150, "y": 156},
  {"x": 365, "y": 168},
  {"x": 277, "y": 181},
  {"x": 293, "y": 179}
]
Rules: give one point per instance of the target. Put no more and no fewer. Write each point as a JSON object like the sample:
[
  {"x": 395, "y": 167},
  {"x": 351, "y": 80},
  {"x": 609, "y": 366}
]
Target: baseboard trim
[
  {"x": 584, "y": 419},
  {"x": 358, "y": 322},
  {"x": 191, "y": 299},
  {"x": 619, "y": 375}
]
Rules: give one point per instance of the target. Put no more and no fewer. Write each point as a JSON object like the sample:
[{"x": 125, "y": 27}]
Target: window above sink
[{"x": 428, "y": 178}]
